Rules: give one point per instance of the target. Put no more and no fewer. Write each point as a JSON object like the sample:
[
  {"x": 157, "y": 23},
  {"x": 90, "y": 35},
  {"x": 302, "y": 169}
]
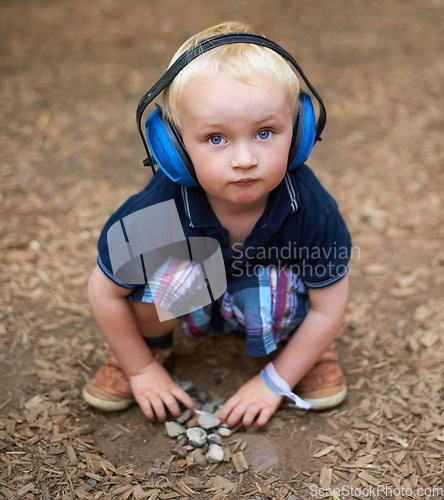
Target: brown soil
[{"x": 72, "y": 74}]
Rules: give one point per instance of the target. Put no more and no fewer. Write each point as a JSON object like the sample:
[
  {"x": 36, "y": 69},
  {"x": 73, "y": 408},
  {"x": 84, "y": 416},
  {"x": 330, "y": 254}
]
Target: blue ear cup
[
  {"x": 168, "y": 150},
  {"x": 304, "y": 132}
]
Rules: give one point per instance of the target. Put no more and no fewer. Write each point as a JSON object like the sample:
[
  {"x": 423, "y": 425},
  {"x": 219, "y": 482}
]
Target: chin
[{"x": 250, "y": 198}]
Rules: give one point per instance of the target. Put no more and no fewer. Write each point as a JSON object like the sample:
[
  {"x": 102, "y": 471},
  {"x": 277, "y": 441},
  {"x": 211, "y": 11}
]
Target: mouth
[{"x": 245, "y": 182}]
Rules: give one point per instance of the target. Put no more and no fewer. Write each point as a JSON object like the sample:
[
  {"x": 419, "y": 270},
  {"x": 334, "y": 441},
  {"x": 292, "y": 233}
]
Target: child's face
[{"x": 238, "y": 136}]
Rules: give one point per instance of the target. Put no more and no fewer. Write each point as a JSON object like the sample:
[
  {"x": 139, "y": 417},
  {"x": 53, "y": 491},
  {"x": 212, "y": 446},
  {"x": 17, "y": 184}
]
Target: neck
[
  {"x": 238, "y": 220},
  {"x": 222, "y": 208}
]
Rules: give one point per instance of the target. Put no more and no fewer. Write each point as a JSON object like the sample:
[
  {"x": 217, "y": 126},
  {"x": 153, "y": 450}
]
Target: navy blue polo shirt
[{"x": 301, "y": 228}]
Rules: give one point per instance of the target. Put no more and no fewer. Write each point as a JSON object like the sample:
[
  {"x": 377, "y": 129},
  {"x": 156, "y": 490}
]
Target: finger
[
  {"x": 236, "y": 414},
  {"x": 183, "y": 397},
  {"x": 171, "y": 403},
  {"x": 264, "y": 416},
  {"x": 147, "y": 409},
  {"x": 158, "y": 407},
  {"x": 227, "y": 408},
  {"x": 250, "y": 414}
]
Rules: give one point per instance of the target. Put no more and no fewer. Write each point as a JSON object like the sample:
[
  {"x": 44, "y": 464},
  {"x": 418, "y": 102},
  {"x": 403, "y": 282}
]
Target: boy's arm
[
  {"x": 152, "y": 386},
  {"x": 320, "y": 327},
  {"x": 254, "y": 400}
]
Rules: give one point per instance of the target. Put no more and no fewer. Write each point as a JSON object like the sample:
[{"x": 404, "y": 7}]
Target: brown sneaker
[
  {"x": 324, "y": 385},
  {"x": 110, "y": 390}
]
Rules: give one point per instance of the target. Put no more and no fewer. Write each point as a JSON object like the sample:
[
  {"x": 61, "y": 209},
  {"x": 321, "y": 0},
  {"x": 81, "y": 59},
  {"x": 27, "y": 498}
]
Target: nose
[{"x": 244, "y": 156}]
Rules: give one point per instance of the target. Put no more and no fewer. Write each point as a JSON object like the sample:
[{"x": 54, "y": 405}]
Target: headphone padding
[
  {"x": 304, "y": 132},
  {"x": 166, "y": 154}
]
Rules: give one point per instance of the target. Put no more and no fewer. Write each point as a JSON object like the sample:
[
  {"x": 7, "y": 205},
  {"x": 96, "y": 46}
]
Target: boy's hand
[
  {"x": 155, "y": 391},
  {"x": 253, "y": 399}
]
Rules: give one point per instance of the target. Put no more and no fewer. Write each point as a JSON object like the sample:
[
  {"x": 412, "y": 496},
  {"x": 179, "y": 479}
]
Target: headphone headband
[{"x": 209, "y": 44}]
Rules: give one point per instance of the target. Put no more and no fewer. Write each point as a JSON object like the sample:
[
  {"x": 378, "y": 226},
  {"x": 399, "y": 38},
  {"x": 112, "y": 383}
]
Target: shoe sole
[
  {"x": 103, "y": 405},
  {"x": 328, "y": 402}
]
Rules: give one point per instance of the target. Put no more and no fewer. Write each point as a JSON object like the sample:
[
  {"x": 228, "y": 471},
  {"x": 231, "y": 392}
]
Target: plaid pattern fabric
[{"x": 265, "y": 308}]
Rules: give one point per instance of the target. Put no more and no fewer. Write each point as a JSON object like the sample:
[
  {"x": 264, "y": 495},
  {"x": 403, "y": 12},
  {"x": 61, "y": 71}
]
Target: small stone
[
  {"x": 202, "y": 460},
  {"x": 224, "y": 431},
  {"x": 191, "y": 456},
  {"x": 197, "y": 457},
  {"x": 184, "y": 416},
  {"x": 202, "y": 396},
  {"x": 197, "y": 437},
  {"x": 208, "y": 407},
  {"x": 179, "y": 444},
  {"x": 208, "y": 420},
  {"x": 186, "y": 385},
  {"x": 211, "y": 406},
  {"x": 193, "y": 422},
  {"x": 182, "y": 452},
  {"x": 214, "y": 438},
  {"x": 215, "y": 454},
  {"x": 218, "y": 402},
  {"x": 174, "y": 429}
]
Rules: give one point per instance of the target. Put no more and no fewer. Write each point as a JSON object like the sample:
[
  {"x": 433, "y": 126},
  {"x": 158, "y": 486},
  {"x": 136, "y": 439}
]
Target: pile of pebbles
[
  {"x": 199, "y": 434},
  {"x": 199, "y": 438}
]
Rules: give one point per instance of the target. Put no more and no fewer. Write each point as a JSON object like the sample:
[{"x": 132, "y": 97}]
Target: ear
[
  {"x": 304, "y": 132},
  {"x": 168, "y": 150}
]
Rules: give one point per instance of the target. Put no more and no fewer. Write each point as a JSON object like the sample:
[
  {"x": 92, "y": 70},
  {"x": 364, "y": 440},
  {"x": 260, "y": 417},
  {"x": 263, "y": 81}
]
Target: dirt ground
[{"x": 71, "y": 76}]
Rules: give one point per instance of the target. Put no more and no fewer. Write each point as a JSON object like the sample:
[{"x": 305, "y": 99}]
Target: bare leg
[
  {"x": 110, "y": 390},
  {"x": 148, "y": 320}
]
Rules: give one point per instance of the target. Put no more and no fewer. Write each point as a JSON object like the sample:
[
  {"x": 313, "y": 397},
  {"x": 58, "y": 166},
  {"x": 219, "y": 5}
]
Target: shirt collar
[
  {"x": 198, "y": 209},
  {"x": 282, "y": 202}
]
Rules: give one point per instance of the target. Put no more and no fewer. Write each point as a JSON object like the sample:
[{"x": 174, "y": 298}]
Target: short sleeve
[
  {"x": 157, "y": 190},
  {"x": 320, "y": 235},
  {"x": 326, "y": 251}
]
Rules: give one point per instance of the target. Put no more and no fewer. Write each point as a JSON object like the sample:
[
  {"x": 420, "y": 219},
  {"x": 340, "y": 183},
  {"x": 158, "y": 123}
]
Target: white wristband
[{"x": 278, "y": 385}]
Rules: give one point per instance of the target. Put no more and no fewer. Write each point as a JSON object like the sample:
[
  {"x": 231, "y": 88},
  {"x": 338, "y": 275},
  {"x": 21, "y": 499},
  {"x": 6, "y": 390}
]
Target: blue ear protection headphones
[{"x": 165, "y": 146}]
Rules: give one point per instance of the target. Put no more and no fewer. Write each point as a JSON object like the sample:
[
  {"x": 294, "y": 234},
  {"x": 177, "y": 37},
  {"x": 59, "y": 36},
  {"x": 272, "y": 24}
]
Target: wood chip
[
  {"x": 324, "y": 451},
  {"x": 400, "y": 456},
  {"x": 222, "y": 485},
  {"x": 369, "y": 479},
  {"x": 397, "y": 439},
  {"x": 427, "y": 339},
  {"x": 351, "y": 441},
  {"x": 71, "y": 454},
  {"x": 327, "y": 439},
  {"x": 54, "y": 202},
  {"x": 169, "y": 496},
  {"x": 24, "y": 490},
  {"x": 325, "y": 479},
  {"x": 239, "y": 461}
]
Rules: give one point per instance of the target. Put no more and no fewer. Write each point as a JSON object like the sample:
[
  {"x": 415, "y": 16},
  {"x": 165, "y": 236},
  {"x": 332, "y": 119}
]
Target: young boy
[{"x": 284, "y": 243}]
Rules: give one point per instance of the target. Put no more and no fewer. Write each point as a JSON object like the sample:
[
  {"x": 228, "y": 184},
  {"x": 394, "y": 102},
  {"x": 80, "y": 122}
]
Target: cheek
[
  {"x": 205, "y": 168},
  {"x": 207, "y": 164},
  {"x": 279, "y": 162}
]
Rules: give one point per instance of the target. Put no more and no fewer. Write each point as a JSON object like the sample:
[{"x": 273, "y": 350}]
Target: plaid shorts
[{"x": 264, "y": 308}]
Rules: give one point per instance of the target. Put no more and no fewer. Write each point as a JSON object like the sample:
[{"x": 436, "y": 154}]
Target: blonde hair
[{"x": 241, "y": 61}]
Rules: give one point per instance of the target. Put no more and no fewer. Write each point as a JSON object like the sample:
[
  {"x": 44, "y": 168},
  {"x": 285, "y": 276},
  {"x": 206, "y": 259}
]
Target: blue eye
[
  {"x": 216, "y": 140},
  {"x": 264, "y": 134}
]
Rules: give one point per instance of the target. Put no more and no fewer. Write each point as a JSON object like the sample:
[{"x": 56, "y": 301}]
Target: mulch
[{"x": 61, "y": 175}]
